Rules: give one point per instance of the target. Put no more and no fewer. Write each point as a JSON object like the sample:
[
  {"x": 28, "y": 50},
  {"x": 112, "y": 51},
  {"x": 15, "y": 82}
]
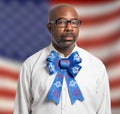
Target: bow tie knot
[
  {"x": 70, "y": 68},
  {"x": 64, "y": 63}
]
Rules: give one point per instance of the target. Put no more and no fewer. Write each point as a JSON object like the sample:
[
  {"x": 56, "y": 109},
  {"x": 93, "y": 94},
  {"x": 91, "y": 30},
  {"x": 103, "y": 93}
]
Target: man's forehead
[
  {"x": 63, "y": 12},
  {"x": 67, "y": 14}
]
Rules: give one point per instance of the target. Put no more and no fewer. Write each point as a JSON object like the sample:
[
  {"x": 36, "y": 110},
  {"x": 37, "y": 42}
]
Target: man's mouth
[{"x": 68, "y": 37}]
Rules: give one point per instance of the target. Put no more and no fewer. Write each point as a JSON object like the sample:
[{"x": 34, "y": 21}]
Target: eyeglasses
[{"x": 61, "y": 23}]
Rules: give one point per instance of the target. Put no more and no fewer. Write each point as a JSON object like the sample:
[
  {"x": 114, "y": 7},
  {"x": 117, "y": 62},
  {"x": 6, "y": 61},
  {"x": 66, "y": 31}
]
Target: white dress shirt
[{"x": 35, "y": 82}]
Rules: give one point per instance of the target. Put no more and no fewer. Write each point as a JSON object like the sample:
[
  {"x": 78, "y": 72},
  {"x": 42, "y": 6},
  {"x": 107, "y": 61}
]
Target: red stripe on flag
[
  {"x": 92, "y": 20},
  {"x": 4, "y": 72},
  {"x": 6, "y": 112},
  {"x": 99, "y": 41},
  {"x": 7, "y": 93},
  {"x": 80, "y": 2},
  {"x": 115, "y": 103},
  {"x": 112, "y": 61},
  {"x": 115, "y": 83}
]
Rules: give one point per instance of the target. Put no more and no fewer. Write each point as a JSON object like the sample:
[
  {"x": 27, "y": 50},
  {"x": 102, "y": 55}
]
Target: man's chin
[{"x": 67, "y": 44}]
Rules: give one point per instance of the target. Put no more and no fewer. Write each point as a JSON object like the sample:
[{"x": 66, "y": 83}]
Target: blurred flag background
[{"x": 23, "y": 31}]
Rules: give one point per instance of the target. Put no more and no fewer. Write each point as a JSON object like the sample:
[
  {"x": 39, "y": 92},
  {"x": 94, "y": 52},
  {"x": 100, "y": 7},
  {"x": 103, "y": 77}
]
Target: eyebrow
[{"x": 66, "y": 19}]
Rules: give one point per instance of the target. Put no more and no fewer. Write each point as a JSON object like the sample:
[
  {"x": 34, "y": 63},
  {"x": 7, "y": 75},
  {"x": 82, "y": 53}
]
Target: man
[{"x": 63, "y": 78}]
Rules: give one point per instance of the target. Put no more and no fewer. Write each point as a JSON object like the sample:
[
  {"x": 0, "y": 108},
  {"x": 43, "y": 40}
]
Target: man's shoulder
[
  {"x": 88, "y": 56},
  {"x": 36, "y": 56}
]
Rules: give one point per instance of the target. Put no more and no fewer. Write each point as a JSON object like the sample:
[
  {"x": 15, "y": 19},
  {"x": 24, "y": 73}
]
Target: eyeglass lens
[{"x": 63, "y": 22}]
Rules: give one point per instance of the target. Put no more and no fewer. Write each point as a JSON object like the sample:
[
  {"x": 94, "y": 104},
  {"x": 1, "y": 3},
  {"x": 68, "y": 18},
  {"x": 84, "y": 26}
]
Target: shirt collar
[{"x": 51, "y": 48}]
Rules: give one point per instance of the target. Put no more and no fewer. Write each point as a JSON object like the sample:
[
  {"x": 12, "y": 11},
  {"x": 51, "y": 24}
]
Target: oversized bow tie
[{"x": 68, "y": 68}]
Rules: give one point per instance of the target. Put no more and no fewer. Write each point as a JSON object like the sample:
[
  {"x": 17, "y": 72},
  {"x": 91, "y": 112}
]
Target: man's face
[{"x": 64, "y": 37}]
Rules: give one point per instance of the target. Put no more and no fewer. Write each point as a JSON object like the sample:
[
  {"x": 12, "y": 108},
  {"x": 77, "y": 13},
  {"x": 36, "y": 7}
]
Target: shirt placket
[{"x": 64, "y": 97}]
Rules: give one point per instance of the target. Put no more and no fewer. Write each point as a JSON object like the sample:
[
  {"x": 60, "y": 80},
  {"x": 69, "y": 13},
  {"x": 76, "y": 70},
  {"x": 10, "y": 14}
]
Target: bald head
[{"x": 59, "y": 10}]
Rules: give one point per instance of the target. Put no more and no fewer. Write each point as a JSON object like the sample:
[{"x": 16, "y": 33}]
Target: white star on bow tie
[
  {"x": 58, "y": 84},
  {"x": 75, "y": 69},
  {"x": 76, "y": 57},
  {"x": 72, "y": 83}
]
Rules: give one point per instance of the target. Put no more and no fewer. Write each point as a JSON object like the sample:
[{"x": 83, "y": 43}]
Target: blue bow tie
[{"x": 68, "y": 68}]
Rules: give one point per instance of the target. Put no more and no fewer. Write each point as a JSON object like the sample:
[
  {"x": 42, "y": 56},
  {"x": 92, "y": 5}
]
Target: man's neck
[{"x": 65, "y": 51}]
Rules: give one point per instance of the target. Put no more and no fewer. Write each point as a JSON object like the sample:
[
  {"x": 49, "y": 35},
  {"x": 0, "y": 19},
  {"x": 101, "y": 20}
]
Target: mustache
[{"x": 69, "y": 34}]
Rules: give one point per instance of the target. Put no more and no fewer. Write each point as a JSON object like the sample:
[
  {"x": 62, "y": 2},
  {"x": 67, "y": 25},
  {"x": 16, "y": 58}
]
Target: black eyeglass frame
[{"x": 67, "y": 21}]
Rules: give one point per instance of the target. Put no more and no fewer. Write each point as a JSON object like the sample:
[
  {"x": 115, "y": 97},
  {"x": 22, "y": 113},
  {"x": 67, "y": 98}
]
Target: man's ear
[{"x": 49, "y": 27}]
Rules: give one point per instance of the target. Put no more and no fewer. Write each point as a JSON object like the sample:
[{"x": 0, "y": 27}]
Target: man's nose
[{"x": 68, "y": 27}]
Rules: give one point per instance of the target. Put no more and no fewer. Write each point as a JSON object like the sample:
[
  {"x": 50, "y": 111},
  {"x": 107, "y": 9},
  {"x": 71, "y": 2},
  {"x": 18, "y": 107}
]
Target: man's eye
[
  {"x": 75, "y": 22},
  {"x": 60, "y": 22}
]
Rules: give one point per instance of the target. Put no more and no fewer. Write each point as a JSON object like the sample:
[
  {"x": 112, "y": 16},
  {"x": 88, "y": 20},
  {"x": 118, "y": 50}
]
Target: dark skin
[{"x": 63, "y": 39}]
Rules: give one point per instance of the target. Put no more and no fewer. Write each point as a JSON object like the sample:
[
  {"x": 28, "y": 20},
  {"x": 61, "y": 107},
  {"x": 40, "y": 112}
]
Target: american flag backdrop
[{"x": 23, "y": 31}]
